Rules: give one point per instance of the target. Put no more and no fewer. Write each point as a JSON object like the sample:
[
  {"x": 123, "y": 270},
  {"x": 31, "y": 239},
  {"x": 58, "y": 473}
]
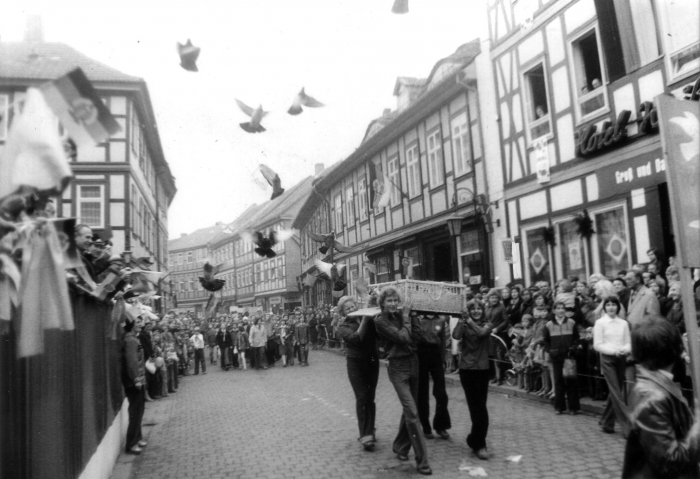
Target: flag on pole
[
  {"x": 679, "y": 121},
  {"x": 81, "y": 111},
  {"x": 33, "y": 154}
]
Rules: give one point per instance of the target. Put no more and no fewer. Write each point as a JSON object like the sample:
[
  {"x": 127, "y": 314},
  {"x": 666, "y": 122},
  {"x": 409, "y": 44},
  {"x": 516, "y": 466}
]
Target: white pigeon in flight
[
  {"x": 256, "y": 116},
  {"x": 303, "y": 99}
]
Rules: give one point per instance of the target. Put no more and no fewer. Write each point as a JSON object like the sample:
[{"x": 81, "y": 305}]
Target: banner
[
  {"x": 679, "y": 121},
  {"x": 508, "y": 249}
]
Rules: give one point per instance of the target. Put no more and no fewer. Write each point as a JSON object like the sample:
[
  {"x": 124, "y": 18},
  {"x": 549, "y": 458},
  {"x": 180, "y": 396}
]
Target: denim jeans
[
  {"x": 136, "y": 397},
  {"x": 613, "y": 369},
  {"x": 430, "y": 365},
  {"x": 565, "y": 389},
  {"x": 475, "y": 383},
  {"x": 363, "y": 374},
  {"x": 199, "y": 358},
  {"x": 403, "y": 374},
  {"x": 224, "y": 357}
]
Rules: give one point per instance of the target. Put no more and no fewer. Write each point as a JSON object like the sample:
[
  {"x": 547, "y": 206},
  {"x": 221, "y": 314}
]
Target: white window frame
[
  {"x": 595, "y": 256},
  {"x": 461, "y": 145},
  {"x": 530, "y": 119},
  {"x": 101, "y": 200},
  {"x": 436, "y": 174},
  {"x": 362, "y": 197},
  {"x": 392, "y": 167},
  {"x": 691, "y": 67},
  {"x": 349, "y": 206},
  {"x": 573, "y": 62},
  {"x": 526, "y": 253},
  {"x": 413, "y": 171},
  {"x": 338, "y": 212}
]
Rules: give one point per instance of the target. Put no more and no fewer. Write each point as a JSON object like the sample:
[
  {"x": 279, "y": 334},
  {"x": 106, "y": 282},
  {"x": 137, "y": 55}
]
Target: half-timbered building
[
  {"x": 435, "y": 155},
  {"x": 575, "y": 85}
]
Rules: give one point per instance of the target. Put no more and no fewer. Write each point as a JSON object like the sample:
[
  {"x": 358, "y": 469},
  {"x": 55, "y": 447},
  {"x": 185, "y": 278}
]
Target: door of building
[{"x": 440, "y": 266}]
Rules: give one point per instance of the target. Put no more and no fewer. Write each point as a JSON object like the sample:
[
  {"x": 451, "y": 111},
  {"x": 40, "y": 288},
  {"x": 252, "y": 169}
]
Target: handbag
[
  {"x": 151, "y": 366},
  {"x": 235, "y": 350},
  {"x": 569, "y": 370}
]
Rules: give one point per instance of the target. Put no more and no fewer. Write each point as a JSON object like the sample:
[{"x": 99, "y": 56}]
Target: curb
[{"x": 587, "y": 404}]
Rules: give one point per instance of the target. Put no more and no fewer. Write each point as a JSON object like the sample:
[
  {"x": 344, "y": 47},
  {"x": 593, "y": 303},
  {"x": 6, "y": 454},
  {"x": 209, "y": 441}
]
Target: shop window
[
  {"x": 470, "y": 258},
  {"x": 383, "y": 269},
  {"x": 539, "y": 124},
  {"x": 413, "y": 268},
  {"x": 362, "y": 198},
  {"x": 572, "y": 255},
  {"x": 435, "y": 172},
  {"x": 91, "y": 205},
  {"x": 537, "y": 256},
  {"x": 611, "y": 243},
  {"x": 588, "y": 74},
  {"x": 413, "y": 170},
  {"x": 338, "y": 213},
  {"x": 460, "y": 144}
]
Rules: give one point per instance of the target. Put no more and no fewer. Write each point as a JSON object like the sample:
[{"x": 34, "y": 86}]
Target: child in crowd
[
  {"x": 561, "y": 340},
  {"x": 537, "y": 350},
  {"x": 525, "y": 340}
]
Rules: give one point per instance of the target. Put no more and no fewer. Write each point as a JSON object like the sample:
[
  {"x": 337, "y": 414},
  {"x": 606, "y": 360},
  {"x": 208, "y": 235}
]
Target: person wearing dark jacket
[
  {"x": 560, "y": 341},
  {"x": 474, "y": 331},
  {"x": 431, "y": 349},
  {"x": 144, "y": 337},
  {"x": 360, "y": 339},
  {"x": 664, "y": 440},
  {"x": 495, "y": 314},
  {"x": 399, "y": 331},
  {"x": 223, "y": 340},
  {"x": 133, "y": 379}
]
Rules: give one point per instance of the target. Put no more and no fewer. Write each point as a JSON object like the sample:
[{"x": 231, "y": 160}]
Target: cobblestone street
[{"x": 300, "y": 423}]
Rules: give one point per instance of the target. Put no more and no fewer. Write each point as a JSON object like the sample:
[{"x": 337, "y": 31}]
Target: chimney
[
  {"x": 219, "y": 223},
  {"x": 182, "y": 235},
  {"x": 34, "y": 30},
  {"x": 318, "y": 169},
  {"x": 387, "y": 111}
]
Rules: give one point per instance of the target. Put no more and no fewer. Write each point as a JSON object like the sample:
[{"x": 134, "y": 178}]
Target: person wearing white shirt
[
  {"x": 198, "y": 343},
  {"x": 611, "y": 338}
]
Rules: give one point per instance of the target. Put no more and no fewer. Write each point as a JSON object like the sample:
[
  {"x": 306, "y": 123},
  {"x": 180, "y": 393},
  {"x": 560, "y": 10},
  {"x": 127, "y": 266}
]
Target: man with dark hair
[
  {"x": 643, "y": 302},
  {"x": 620, "y": 286},
  {"x": 133, "y": 379},
  {"x": 665, "y": 439}
]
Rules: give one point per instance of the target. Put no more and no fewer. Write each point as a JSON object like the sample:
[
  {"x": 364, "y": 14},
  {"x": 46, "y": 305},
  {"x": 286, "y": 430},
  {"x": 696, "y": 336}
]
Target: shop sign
[
  {"x": 644, "y": 170},
  {"x": 275, "y": 300},
  {"x": 612, "y": 135}
]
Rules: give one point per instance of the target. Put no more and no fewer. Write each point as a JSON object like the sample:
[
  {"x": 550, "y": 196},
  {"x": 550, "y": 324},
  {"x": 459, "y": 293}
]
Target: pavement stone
[{"x": 300, "y": 422}]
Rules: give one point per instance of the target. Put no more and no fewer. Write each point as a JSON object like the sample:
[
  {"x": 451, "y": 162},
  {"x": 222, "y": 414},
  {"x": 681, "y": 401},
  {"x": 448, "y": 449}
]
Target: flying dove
[
  {"x": 303, "y": 99},
  {"x": 208, "y": 281},
  {"x": 328, "y": 240},
  {"x": 256, "y": 116},
  {"x": 188, "y": 55}
]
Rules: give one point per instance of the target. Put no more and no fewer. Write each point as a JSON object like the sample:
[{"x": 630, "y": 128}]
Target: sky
[{"x": 346, "y": 53}]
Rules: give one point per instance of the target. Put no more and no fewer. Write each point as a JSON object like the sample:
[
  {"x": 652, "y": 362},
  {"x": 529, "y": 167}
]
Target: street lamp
[{"x": 454, "y": 226}]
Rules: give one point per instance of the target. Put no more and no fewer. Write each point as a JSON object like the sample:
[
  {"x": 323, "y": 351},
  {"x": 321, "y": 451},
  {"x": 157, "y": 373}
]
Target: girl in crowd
[
  {"x": 360, "y": 339},
  {"x": 474, "y": 331},
  {"x": 611, "y": 338},
  {"x": 258, "y": 340},
  {"x": 399, "y": 332}
]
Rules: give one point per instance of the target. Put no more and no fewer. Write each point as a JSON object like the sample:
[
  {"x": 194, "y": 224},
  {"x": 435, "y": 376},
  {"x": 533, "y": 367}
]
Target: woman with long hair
[
  {"x": 611, "y": 338},
  {"x": 360, "y": 338},
  {"x": 399, "y": 332}
]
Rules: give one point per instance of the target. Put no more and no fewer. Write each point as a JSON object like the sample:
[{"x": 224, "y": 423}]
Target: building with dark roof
[
  {"x": 252, "y": 281},
  {"x": 123, "y": 184},
  {"x": 442, "y": 170}
]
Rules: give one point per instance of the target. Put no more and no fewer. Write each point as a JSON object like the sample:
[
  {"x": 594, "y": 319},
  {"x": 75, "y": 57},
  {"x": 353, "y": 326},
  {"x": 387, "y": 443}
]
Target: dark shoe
[
  {"x": 608, "y": 430},
  {"x": 482, "y": 454},
  {"x": 204, "y": 372},
  {"x": 156, "y": 397},
  {"x": 135, "y": 450},
  {"x": 401, "y": 457},
  {"x": 425, "y": 470},
  {"x": 368, "y": 446},
  {"x": 443, "y": 434},
  {"x": 429, "y": 435}
]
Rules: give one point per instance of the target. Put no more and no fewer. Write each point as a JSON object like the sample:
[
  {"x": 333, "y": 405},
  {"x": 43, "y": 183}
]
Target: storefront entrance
[{"x": 440, "y": 264}]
